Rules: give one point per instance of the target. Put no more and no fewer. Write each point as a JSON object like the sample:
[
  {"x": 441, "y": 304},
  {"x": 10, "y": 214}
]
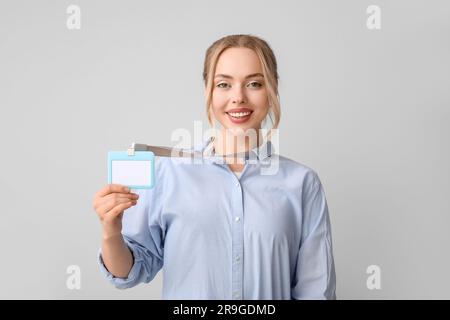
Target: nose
[{"x": 238, "y": 96}]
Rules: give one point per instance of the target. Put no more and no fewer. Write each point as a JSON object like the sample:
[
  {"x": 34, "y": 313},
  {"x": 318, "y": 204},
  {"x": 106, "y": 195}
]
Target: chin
[{"x": 244, "y": 128}]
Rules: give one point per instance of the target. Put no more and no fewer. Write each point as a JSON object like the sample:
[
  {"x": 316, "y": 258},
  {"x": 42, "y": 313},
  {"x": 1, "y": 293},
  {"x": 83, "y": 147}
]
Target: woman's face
[{"x": 239, "y": 99}]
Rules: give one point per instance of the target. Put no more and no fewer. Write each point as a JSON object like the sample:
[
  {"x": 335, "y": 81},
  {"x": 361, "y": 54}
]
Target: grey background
[{"x": 367, "y": 109}]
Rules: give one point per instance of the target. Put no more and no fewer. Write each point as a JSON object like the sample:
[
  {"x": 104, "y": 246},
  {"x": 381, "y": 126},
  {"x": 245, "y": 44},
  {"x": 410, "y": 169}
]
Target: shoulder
[{"x": 302, "y": 173}]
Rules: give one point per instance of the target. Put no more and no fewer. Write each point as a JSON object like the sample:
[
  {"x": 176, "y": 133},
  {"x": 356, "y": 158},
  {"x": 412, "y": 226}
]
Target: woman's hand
[{"x": 109, "y": 203}]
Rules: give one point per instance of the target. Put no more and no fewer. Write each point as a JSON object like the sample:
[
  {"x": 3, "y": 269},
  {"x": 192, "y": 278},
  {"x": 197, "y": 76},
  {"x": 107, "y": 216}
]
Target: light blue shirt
[{"x": 266, "y": 235}]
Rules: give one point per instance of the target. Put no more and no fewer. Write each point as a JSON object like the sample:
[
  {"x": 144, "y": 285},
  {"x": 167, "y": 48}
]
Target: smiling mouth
[{"x": 239, "y": 115}]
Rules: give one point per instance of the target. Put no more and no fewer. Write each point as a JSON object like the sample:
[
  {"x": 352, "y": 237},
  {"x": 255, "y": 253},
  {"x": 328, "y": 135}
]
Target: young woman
[{"x": 225, "y": 229}]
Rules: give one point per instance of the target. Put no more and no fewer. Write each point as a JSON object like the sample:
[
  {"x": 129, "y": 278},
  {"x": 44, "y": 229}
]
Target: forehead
[{"x": 238, "y": 62}]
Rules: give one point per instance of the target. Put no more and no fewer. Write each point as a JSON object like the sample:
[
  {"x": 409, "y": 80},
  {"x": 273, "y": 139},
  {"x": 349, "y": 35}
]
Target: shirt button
[
  {"x": 237, "y": 219},
  {"x": 236, "y": 295},
  {"x": 238, "y": 258}
]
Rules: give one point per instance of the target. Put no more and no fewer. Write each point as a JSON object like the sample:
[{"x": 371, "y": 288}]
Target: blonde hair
[{"x": 268, "y": 63}]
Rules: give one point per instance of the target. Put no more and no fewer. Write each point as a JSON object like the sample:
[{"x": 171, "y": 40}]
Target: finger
[
  {"x": 117, "y": 210},
  {"x": 107, "y": 202},
  {"x": 110, "y": 188},
  {"x": 108, "y": 206},
  {"x": 110, "y": 197}
]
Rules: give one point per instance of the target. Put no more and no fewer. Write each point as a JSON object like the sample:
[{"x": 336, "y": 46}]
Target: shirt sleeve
[
  {"x": 315, "y": 276},
  {"x": 144, "y": 236}
]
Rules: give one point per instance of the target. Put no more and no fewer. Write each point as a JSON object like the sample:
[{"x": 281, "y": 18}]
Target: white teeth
[{"x": 239, "y": 114}]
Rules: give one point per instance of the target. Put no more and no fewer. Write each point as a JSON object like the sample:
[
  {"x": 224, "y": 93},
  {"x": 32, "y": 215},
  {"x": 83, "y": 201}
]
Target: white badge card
[{"x": 135, "y": 171}]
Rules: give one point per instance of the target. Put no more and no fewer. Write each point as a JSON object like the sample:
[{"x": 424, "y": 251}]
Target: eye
[
  {"x": 255, "y": 84},
  {"x": 222, "y": 83}
]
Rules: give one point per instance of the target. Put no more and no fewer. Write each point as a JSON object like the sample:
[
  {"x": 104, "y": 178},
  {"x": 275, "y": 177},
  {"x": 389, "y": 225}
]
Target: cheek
[
  {"x": 260, "y": 100},
  {"x": 219, "y": 102}
]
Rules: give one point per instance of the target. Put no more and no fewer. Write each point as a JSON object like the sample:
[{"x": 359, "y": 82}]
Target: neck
[{"x": 226, "y": 143}]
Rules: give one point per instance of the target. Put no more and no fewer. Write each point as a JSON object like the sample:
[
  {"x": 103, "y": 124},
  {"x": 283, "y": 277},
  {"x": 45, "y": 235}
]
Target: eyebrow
[{"x": 230, "y": 77}]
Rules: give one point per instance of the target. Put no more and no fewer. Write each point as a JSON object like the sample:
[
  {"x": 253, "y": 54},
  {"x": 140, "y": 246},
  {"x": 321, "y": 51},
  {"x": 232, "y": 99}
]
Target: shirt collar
[{"x": 260, "y": 153}]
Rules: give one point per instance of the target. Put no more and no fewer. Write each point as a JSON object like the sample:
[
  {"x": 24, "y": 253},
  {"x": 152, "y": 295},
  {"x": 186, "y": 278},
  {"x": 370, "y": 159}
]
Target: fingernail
[{"x": 126, "y": 189}]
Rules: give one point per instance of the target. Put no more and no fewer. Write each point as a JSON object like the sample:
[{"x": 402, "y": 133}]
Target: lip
[
  {"x": 239, "y": 110},
  {"x": 242, "y": 119}
]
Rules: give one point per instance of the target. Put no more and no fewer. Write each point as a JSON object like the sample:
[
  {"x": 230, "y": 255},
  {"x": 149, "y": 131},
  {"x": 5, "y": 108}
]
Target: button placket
[{"x": 237, "y": 243}]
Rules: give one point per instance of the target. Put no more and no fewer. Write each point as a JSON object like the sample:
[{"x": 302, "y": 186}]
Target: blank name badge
[{"x": 135, "y": 171}]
